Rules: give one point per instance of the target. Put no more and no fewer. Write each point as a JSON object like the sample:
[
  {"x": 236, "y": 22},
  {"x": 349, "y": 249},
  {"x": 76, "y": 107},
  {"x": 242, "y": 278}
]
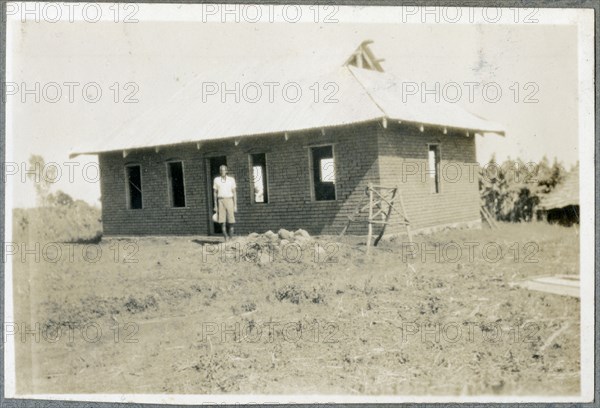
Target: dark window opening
[
  {"x": 323, "y": 168},
  {"x": 259, "y": 177},
  {"x": 434, "y": 167},
  {"x": 176, "y": 184},
  {"x": 134, "y": 186}
]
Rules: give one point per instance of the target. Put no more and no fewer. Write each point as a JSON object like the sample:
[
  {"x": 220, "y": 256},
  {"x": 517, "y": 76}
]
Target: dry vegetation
[{"x": 182, "y": 317}]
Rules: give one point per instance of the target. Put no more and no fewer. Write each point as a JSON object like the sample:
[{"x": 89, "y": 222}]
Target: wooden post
[
  {"x": 487, "y": 216},
  {"x": 370, "y": 233},
  {"x": 387, "y": 217},
  {"x": 408, "y": 232}
]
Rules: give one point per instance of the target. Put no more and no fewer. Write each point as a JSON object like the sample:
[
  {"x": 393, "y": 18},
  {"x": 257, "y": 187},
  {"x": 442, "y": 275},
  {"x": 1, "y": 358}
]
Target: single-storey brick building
[{"x": 298, "y": 162}]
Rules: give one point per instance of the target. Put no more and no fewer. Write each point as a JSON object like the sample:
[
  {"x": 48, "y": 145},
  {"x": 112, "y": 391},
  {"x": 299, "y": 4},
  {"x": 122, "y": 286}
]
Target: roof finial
[{"x": 364, "y": 58}]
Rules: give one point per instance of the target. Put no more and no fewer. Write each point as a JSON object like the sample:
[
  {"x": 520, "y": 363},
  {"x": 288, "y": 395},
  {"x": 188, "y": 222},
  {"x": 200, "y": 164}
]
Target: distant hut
[{"x": 561, "y": 205}]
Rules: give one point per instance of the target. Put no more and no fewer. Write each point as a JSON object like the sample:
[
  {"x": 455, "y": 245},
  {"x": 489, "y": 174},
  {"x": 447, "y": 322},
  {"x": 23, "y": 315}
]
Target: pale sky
[{"x": 161, "y": 56}]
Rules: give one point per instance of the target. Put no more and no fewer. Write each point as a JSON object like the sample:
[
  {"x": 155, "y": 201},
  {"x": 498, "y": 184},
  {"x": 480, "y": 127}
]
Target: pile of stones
[{"x": 282, "y": 237}]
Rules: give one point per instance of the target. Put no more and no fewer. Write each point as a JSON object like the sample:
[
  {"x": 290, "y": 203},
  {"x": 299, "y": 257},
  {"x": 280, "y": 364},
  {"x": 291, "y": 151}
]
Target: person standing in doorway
[{"x": 225, "y": 201}]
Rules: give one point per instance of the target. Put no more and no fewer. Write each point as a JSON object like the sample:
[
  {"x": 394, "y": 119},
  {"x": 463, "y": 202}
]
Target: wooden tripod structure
[{"x": 380, "y": 207}]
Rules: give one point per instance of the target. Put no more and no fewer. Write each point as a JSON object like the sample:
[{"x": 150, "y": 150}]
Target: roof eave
[{"x": 225, "y": 138}]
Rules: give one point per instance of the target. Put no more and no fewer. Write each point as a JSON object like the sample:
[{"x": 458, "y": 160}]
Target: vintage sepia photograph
[{"x": 236, "y": 203}]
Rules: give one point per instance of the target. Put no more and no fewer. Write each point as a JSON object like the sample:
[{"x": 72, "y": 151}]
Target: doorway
[{"x": 213, "y": 165}]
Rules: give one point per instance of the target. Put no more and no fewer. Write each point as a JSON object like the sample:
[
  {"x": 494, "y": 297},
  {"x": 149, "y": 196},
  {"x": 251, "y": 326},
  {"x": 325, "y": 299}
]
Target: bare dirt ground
[{"x": 178, "y": 315}]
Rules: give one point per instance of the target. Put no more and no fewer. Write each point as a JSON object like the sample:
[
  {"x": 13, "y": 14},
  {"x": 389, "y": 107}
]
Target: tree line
[{"x": 511, "y": 190}]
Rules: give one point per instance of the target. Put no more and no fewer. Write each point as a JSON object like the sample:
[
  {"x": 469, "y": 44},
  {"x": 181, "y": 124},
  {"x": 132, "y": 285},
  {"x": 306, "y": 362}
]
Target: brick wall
[
  {"x": 156, "y": 217},
  {"x": 290, "y": 201},
  {"x": 366, "y": 153},
  {"x": 403, "y": 161}
]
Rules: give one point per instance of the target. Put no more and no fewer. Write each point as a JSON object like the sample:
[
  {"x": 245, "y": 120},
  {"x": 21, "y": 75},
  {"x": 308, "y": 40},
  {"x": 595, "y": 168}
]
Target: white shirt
[{"x": 224, "y": 187}]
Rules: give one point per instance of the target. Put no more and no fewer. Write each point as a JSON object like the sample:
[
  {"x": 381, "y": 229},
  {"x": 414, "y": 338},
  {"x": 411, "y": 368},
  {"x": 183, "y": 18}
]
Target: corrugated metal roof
[
  {"x": 565, "y": 194},
  {"x": 355, "y": 96},
  {"x": 386, "y": 90}
]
